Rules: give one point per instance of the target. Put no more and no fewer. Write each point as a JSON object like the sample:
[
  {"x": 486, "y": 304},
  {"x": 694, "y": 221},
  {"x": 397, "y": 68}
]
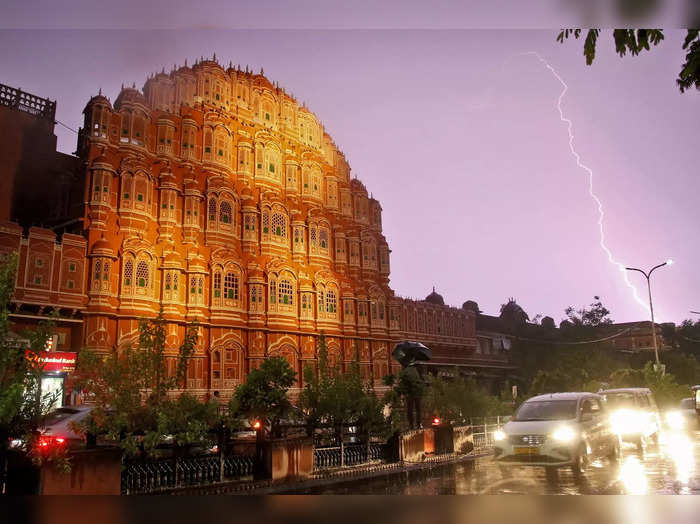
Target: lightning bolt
[{"x": 589, "y": 171}]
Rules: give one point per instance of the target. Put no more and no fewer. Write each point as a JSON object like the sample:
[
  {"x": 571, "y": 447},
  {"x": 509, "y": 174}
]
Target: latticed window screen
[
  {"x": 285, "y": 291},
  {"x": 128, "y": 272},
  {"x": 313, "y": 235},
  {"x": 167, "y": 280},
  {"x": 320, "y": 302},
  {"x": 212, "y": 209},
  {"x": 266, "y": 222},
  {"x": 142, "y": 274},
  {"x": 231, "y": 286},
  {"x": 217, "y": 284},
  {"x": 331, "y": 302},
  {"x": 225, "y": 213},
  {"x": 193, "y": 285},
  {"x": 254, "y": 295},
  {"x": 279, "y": 225},
  {"x": 323, "y": 237},
  {"x": 273, "y": 291},
  {"x": 200, "y": 287},
  {"x": 105, "y": 271},
  {"x": 175, "y": 281},
  {"x": 304, "y": 301},
  {"x": 98, "y": 269}
]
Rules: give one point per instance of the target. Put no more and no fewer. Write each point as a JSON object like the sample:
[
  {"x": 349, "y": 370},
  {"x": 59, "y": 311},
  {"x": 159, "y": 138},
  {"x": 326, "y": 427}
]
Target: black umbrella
[{"x": 409, "y": 352}]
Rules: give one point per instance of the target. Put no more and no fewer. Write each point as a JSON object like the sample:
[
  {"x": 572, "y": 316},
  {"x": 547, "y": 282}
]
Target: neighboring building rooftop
[{"x": 28, "y": 103}]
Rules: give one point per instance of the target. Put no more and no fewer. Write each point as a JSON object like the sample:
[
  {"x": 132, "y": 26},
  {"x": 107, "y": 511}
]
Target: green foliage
[
  {"x": 337, "y": 399},
  {"x": 263, "y": 396},
  {"x": 667, "y": 391},
  {"x": 460, "y": 399},
  {"x": 513, "y": 316},
  {"x": 585, "y": 321},
  {"x": 132, "y": 392},
  {"x": 22, "y": 406},
  {"x": 635, "y": 41}
]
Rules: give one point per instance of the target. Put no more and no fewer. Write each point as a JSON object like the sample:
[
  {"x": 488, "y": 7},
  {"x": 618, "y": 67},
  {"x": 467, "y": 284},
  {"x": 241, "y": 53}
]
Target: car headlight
[
  {"x": 627, "y": 421},
  {"x": 675, "y": 420},
  {"x": 564, "y": 434},
  {"x": 499, "y": 435}
]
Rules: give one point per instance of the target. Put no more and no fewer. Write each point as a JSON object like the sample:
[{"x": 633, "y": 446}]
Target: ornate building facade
[{"x": 214, "y": 195}]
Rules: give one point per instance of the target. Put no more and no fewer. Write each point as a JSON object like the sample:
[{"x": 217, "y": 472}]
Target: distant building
[
  {"x": 636, "y": 337},
  {"x": 38, "y": 185}
]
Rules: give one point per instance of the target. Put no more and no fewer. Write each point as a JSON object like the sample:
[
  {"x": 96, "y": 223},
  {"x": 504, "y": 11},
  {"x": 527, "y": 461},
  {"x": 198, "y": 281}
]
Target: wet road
[{"x": 672, "y": 467}]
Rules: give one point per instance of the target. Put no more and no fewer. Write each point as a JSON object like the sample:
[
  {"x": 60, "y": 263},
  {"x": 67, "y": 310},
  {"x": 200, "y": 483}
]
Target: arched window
[
  {"x": 217, "y": 285},
  {"x": 331, "y": 302},
  {"x": 142, "y": 274},
  {"x": 128, "y": 273},
  {"x": 105, "y": 271},
  {"x": 98, "y": 269},
  {"x": 254, "y": 295},
  {"x": 231, "y": 286},
  {"x": 321, "y": 308},
  {"x": 279, "y": 225},
  {"x": 266, "y": 222},
  {"x": 212, "y": 209},
  {"x": 225, "y": 213},
  {"x": 323, "y": 238},
  {"x": 305, "y": 301},
  {"x": 286, "y": 292},
  {"x": 167, "y": 281},
  {"x": 200, "y": 290},
  {"x": 273, "y": 292}
]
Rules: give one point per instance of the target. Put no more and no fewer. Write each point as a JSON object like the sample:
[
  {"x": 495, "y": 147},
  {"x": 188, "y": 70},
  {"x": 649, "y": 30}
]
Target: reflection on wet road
[{"x": 671, "y": 467}]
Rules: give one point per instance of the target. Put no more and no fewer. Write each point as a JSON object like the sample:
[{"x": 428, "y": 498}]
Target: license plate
[{"x": 526, "y": 450}]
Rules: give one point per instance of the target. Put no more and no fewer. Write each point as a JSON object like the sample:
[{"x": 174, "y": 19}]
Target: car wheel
[
  {"x": 552, "y": 474},
  {"x": 580, "y": 462},
  {"x": 616, "y": 451},
  {"x": 641, "y": 444}
]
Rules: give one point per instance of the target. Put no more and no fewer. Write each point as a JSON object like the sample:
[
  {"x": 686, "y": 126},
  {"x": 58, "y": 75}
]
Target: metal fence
[
  {"x": 350, "y": 455},
  {"x": 483, "y": 430},
  {"x": 159, "y": 475}
]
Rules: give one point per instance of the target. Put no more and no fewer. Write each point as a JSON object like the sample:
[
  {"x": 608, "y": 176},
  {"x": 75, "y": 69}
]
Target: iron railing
[
  {"x": 32, "y": 104},
  {"x": 350, "y": 455},
  {"x": 160, "y": 475},
  {"x": 483, "y": 430}
]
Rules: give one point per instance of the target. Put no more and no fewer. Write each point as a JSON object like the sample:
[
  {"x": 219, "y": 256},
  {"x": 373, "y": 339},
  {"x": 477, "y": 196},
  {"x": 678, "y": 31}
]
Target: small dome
[
  {"x": 102, "y": 248},
  {"x": 470, "y": 305},
  {"x": 435, "y": 298}
]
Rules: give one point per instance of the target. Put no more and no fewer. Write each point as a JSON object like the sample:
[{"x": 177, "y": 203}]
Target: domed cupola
[
  {"x": 470, "y": 305},
  {"x": 435, "y": 298}
]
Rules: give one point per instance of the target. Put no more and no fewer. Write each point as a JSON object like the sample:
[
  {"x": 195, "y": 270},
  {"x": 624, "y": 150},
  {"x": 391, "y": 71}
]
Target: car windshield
[
  {"x": 547, "y": 410},
  {"x": 620, "y": 400},
  {"x": 688, "y": 403},
  {"x": 59, "y": 415}
]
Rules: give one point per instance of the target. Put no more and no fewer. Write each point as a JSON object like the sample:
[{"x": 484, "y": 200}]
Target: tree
[
  {"x": 635, "y": 41},
  {"x": 263, "y": 395},
  {"x": 22, "y": 405},
  {"x": 338, "y": 398},
  {"x": 588, "y": 319},
  {"x": 133, "y": 392}
]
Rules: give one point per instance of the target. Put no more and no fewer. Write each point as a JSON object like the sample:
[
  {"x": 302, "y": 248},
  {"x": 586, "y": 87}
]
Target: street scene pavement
[{"x": 672, "y": 467}]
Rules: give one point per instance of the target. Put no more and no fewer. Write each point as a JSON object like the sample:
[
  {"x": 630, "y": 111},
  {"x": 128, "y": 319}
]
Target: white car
[
  {"x": 557, "y": 430},
  {"x": 633, "y": 414}
]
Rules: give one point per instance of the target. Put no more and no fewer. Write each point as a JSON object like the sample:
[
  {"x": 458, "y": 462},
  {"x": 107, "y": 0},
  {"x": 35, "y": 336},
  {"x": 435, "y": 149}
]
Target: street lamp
[{"x": 651, "y": 305}]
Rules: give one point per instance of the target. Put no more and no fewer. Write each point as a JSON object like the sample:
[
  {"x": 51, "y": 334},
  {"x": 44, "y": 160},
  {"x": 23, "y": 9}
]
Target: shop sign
[{"x": 54, "y": 361}]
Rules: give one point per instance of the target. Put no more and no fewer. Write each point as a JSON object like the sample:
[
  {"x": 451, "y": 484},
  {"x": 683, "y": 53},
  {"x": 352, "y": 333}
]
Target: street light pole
[{"x": 651, "y": 305}]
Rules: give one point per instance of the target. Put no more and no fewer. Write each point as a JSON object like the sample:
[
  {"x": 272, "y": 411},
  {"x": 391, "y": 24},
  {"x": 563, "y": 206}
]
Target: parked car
[
  {"x": 57, "y": 430},
  {"x": 684, "y": 418},
  {"x": 557, "y": 430},
  {"x": 634, "y": 414}
]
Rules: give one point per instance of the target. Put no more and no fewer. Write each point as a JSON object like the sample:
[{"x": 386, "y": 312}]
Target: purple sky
[{"x": 459, "y": 138}]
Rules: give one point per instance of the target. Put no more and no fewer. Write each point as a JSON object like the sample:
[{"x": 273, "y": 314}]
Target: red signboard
[{"x": 54, "y": 361}]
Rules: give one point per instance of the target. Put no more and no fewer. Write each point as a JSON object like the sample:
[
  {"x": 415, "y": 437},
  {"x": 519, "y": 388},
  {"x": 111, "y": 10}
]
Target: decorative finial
[
  {"x": 433, "y": 289},
  {"x": 230, "y": 64},
  {"x": 133, "y": 85},
  {"x": 163, "y": 70},
  {"x": 185, "y": 62},
  {"x": 214, "y": 57},
  {"x": 100, "y": 93},
  {"x": 262, "y": 71}
]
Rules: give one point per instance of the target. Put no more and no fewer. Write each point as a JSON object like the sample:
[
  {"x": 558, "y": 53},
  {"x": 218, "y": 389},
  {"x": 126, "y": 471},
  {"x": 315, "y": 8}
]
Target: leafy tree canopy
[{"x": 635, "y": 41}]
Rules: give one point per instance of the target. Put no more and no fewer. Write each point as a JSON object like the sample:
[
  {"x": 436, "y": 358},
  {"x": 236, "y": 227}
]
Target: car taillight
[{"x": 46, "y": 442}]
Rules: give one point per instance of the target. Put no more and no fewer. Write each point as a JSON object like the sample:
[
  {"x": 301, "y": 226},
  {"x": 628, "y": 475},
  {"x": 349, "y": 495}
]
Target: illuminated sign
[{"x": 54, "y": 361}]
